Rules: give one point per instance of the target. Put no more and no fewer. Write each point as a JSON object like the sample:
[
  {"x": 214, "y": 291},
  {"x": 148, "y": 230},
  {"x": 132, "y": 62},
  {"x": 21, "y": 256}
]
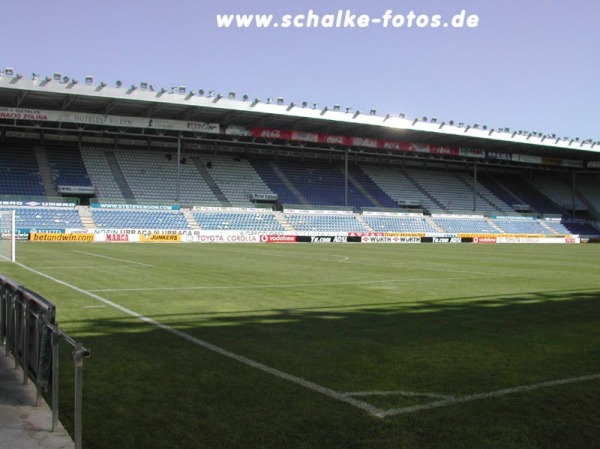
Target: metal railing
[{"x": 29, "y": 332}]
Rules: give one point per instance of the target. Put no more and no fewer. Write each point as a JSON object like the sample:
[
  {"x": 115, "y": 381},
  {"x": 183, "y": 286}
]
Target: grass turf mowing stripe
[{"x": 244, "y": 360}]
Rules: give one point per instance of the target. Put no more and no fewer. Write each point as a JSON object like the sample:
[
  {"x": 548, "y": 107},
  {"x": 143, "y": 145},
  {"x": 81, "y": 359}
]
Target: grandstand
[{"x": 433, "y": 181}]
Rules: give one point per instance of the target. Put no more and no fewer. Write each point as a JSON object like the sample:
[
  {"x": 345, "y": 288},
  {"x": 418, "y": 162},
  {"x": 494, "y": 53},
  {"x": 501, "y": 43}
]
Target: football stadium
[{"x": 236, "y": 272}]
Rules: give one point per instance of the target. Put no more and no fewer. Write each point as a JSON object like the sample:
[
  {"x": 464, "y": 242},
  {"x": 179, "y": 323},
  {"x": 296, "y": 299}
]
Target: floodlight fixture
[
  {"x": 255, "y": 102},
  {"x": 119, "y": 83},
  {"x": 433, "y": 120},
  {"x": 181, "y": 89},
  {"x": 9, "y": 71},
  {"x": 451, "y": 123},
  {"x": 74, "y": 81},
  {"x": 401, "y": 115},
  {"x": 103, "y": 84},
  {"x": 152, "y": 87},
  {"x": 35, "y": 76},
  {"x": 304, "y": 104},
  {"x": 348, "y": 110},
  {"x": 163, "y": 90},
  {"x": 372, "y": 112},
  {"x": 356, "y": 114},
  {"x": 48, "y": 79},
  {"x": 57, "y": 77},
  {"x": 65, "y": 79},
  {"x": 415, "y": 121},
  {"x": 280, "y": 100},
  {"x": 315, "y": 105},
  {"x": 144, "y": 85},
  {"x": 336, "y": 107},
  {"x": 325, "y": 109},
  {"x": 201, "y": 92},
  {"x": 291, "y": 105},
  {"x": 232, "y": 95},
  {"x": 245, "y": 98},
  {"x": 89, "y": 79},
  {"x": 211, "y": 93}
]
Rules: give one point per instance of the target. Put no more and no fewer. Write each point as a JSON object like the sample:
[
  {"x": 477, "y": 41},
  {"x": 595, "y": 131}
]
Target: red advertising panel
[
  {"x": 278, "y": 238},
  {"x": 484, "y": 239},
  {"x": 330, "y": 139},
  {"x": 269, "y": 133}
]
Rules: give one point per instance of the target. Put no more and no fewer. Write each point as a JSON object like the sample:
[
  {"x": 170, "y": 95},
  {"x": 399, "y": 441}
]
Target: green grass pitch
[{"x": 327, "y": 345}]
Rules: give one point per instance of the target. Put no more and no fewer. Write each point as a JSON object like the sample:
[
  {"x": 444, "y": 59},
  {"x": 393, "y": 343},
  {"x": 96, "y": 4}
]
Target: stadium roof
[{"x": 178, "y": 103}]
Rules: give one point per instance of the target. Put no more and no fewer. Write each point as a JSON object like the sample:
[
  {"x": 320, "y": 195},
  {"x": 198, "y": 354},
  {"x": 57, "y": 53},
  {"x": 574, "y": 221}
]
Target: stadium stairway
[
  {"x": 189, "y": 216},
  {"x": 210, "y": 182},
  {"x": 288, "y": 183},
  {"x": 280, "y": 217},
  {"x": 45, "y": 172},
  {"x": 117, "y": 173},
  {"x": 420, "y": 188},
  {"x": 85, "y": 214},
  {"x": 430, "y": 220},
  {"x": 494, "y": 225},
  {"x": 361, "y": 220},
  {"x": 358, "y": 186}
]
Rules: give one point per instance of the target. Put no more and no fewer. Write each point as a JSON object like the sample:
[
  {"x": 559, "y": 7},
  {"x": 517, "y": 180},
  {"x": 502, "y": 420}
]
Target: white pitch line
[
  {"x": 94, "y": 267},
  {"x": 204, "y": 344},
  {"x": 271, "y": 286},
  {"x": 113, "y": 258},
  {"x": 399, "y": 393},
  {"x": 491, "y": 394}
]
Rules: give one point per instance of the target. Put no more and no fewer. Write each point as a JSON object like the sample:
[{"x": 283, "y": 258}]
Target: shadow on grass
[{"x": 148, "y": 388}]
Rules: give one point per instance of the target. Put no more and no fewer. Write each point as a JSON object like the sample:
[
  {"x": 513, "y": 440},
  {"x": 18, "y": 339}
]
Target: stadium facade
[{"x": 205, "y": 166}]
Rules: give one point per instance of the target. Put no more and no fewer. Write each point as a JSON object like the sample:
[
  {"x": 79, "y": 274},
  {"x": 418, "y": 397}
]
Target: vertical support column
[
  {"x": 346, "y": 178},
  {"x": 573, "y": 193},
  {"x": 78, "y": 355},
  {"x": 474, "y": 186},
  {"x": 55, "y": 375},
  {"x": 23, "y": 344},
  {"x": 178, "y": 169},
  {"x": 13, "y": 239}
]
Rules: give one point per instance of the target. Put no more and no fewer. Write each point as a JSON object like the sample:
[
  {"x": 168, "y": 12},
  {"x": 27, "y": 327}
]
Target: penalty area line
[
  {"x": 223, "y": 352},
  {"x": 491, "y": 394}
]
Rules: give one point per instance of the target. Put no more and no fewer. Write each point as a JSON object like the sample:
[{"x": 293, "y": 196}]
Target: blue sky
[{"x": 533, "y": 65}]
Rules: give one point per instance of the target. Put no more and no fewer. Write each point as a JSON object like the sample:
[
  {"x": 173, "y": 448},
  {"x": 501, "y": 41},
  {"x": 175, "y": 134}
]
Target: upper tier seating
[
  {"x": 67, "y": 167},
  {"x": 321, "y": 183},
  {"x": 19, "y": 172}
]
